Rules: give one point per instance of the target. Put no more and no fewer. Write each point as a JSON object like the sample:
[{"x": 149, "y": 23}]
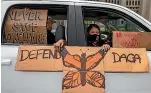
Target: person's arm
[{"x": 60, "y": 43}]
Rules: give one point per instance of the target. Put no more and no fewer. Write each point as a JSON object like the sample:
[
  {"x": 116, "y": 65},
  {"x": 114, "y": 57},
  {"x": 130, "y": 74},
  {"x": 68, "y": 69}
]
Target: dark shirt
[{"x": 50, "y": 38}]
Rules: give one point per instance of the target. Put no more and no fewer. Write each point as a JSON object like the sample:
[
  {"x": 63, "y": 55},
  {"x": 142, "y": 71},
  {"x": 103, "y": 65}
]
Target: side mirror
[{"x": 60, "y": 33}]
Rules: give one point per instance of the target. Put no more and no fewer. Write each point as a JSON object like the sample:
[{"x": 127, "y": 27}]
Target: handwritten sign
[
  {"x": 131, "y": 40},
  {"x": 26, "y": 26},
  {"x": 126, "y": 60},
  {"x": 83, "y": 67},
  {"x": 46, "y": 58},
  {"x": 38, "y": 58}
]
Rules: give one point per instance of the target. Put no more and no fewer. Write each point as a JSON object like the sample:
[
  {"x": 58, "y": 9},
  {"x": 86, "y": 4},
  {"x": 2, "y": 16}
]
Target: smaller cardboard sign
[
  {"x": 83, "y": 82},
  {"x": 38, "y": 58},
  {"x": 26, "y": 26},
  {"x": 132, "y": 39},
  {"x": 126, "y": 60}
]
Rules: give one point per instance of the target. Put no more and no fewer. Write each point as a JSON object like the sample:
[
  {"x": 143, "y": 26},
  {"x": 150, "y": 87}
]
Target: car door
[
  {"x": 33, "y": 82},
  {"x": 118, "y": 18}
]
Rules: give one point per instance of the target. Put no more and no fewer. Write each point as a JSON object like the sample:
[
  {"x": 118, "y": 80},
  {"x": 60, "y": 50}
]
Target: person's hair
[{"x": 91, "y": 26}]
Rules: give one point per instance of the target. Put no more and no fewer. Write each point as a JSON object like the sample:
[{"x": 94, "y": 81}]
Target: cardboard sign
[
  {"x": 38, "y": 58},
  {"x": 83, "y": 67},
  {"x": 132, "y": 40},
  {"x": 26, "y": 26},
  {"x": 126, "y": 60},
  {"x": 83, "y": 82},
  {"x": 46, "y": 58}
]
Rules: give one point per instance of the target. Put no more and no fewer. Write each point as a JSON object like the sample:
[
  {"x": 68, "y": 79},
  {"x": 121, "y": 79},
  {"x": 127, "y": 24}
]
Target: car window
[
  {"x": 28, "y": 24},
  {"x": 110, "y": 20}
]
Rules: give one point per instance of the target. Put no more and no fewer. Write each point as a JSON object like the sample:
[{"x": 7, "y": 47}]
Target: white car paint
[{"x": 50, "y": 82}]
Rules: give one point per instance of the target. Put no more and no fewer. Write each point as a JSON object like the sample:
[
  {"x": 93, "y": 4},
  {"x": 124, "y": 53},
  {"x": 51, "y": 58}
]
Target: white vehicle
[{"x": 75, "y": 16}]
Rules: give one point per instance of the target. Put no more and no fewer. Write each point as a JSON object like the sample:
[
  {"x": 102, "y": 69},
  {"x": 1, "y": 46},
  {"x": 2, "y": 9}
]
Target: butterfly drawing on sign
[{"x": 84, "y": 65}]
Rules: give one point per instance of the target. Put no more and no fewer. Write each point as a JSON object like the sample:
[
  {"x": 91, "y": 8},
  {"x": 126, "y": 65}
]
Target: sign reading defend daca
[{"x": 83, "y": 67}]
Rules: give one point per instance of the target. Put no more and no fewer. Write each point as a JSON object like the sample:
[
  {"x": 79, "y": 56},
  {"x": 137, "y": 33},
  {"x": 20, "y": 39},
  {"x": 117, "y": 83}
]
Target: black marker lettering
[
  {"x": 32, "y": 16},
  {"x": 17, "y": 15},
  {"x": 130, "y": 60},
  {"x": 12, "y": 15},
  {"x": 114, "y": 54},
  {"x": 38, "y": 53},
  {"x": 138, "y": 57},
  {"x": 22, "y": 55},
  {"x": 44, "y": 54},
  {"x": 56, "y": 54},
  {"x": 122, "y": 56},
  {"x": 8, "y": 36},
  {"x": 38, "y": 14},
  {"x": 31, "y": 53},
  {"x": 15, "y": 27}
]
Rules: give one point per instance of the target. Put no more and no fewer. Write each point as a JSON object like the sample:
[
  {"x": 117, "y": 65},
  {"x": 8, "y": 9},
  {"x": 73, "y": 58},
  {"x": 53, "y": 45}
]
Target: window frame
[
  {"x": 110, "y": 10},
  {"x": 70, "y": 22},
  {"x": 122, "y": 15}
]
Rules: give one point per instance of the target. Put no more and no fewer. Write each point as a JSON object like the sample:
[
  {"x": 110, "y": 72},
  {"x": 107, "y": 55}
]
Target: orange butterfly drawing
[{"x": 84, "y": 66}]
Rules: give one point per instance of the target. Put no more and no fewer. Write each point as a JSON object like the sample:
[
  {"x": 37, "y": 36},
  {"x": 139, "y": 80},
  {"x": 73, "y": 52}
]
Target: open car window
[
  {"x": 27, "y": 24},
  {"x": 110, "y": 20}
]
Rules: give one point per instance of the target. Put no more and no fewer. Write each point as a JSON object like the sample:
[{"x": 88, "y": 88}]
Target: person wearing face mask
[
  {"x": 51, "y": 36},
  {"x": 94, "y": 38}
]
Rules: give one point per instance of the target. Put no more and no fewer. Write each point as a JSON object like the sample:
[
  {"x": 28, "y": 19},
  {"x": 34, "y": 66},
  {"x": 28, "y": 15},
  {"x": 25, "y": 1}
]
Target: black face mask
[{"x": 93, "y": 38}]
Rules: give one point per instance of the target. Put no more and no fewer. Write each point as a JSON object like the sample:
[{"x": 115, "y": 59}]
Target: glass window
[
  {"x": 138, "y": 2},
  {"x": 135, "y": 2},
  {"x": 109, "y": 21},
  {"x": 132, "y": 2},
  {"x": 126, "y": 2},
  {"x": 129, "y": 2},
  {"x": 32, "y": 24}
]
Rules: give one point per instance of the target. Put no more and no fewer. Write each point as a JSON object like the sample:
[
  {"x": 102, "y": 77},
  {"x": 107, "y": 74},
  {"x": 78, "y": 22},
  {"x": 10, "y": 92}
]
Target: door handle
[{"x": 5, "y": 62}]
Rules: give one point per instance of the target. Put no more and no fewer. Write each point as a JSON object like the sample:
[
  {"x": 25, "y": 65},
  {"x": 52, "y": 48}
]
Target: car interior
[{"x": 108, "y": 21}]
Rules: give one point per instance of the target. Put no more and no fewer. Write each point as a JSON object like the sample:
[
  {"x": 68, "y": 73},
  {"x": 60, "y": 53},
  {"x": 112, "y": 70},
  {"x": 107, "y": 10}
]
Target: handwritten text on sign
[
  {"x": 131, "y": 57},
  {"x": 126, "y": 60},
  {"x": 26, "y": 26},
  {"x": 131, "y": 39},
  {"x": 39, "y": 54},
  {"x": 46, "y": 58}
]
